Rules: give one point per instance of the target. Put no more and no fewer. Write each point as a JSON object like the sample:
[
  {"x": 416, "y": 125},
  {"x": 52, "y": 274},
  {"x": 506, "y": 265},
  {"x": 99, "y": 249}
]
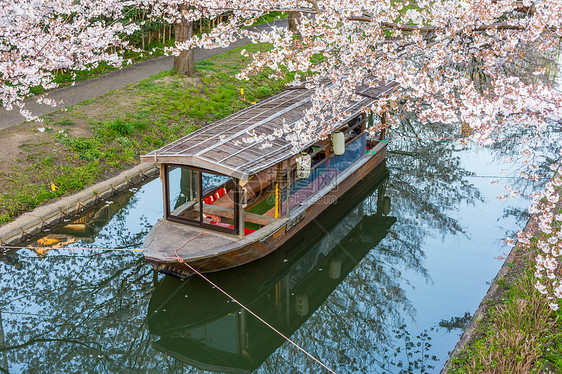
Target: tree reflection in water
[
  {"x": 361, "y": 327},
  {"x": 85, "y": 312},
  {"x": 79, "y": 312},
  {"x": 286, "y": 289}
]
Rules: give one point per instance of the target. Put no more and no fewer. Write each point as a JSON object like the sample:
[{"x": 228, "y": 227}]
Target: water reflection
[
  {"x": 79, "y": 311},
  {"x": 200, "y": 326},
  {"x": 87, "y": 227},
  {"x": 65, "y": 311}
]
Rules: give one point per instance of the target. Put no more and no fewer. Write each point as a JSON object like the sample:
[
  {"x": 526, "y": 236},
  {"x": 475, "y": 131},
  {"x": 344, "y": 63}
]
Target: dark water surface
[{"x": 365, "y": 292}]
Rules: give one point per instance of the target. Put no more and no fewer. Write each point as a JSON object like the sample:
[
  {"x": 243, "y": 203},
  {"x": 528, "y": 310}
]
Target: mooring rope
[
  {"x": 72, "y": 248},
  {"x": 242, "y": 305},
  {"x": 196, "y": 272}
]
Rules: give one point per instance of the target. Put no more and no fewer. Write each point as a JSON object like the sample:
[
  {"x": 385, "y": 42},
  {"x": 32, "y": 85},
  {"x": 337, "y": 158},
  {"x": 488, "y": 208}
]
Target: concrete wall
[{"x": 32, "y": 223}]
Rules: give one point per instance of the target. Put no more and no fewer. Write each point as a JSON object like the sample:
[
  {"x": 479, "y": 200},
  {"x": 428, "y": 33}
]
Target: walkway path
[{"x": 91, "y": 88}]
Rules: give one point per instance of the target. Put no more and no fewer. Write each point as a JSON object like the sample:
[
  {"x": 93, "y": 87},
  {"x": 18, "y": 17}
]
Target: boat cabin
[{"x": 214, "y": 180}]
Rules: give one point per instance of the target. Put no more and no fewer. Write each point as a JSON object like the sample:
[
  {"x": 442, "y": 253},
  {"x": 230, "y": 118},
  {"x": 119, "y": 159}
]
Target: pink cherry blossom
[{"x": 450, "y": 63}]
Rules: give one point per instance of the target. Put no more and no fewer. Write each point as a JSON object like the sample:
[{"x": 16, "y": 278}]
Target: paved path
[{"x": 115, "y": 80}]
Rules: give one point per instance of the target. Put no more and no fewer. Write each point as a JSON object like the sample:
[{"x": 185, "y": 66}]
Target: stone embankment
[{"x": 44, "y": 217}]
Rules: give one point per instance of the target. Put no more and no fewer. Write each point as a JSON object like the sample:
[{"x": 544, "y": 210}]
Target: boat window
[
  {"x": 212, "y": 182},
  {"x": 354, "y": 128},
  {"x": 356, "y": 124},
  {"x": 218, "y": 200},
  {"x": 221, "y": 334},
  {"x": 374, "y": 133},
  {"x": 259, "y": 196},
  {"x": 200, "y": 198},
  {"x": 182, "y": 192},
  {"x": 373, "y": 120}
]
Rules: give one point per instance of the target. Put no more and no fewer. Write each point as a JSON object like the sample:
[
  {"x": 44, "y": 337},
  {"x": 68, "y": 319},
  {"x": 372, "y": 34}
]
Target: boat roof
[{"x": 220, "y": 146}]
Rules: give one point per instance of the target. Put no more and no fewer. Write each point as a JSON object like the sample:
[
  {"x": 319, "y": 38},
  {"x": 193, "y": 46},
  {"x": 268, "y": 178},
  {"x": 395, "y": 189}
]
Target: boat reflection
[{"x": 200, "y": 326}]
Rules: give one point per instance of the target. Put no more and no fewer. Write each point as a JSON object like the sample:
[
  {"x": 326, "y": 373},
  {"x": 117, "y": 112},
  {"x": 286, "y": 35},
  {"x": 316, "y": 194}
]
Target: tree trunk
[
  {"x": 293, "y": 19},
  {"x": 184, "y": 63}
]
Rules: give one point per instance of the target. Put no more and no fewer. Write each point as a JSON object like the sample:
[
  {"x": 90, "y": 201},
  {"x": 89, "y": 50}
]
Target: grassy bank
[
  {"x": 94, "y": 140},
  {"x": 519, "y": 333}
]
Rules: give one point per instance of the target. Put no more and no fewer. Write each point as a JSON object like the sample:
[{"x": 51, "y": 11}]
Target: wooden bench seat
[{"x": 229, "y": 213}]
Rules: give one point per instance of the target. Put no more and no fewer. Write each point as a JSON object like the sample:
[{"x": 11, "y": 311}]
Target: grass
[
  {"x": 219, "y": 95},
  {"x": 270, "y": 17},
  {"x": 97, "y": 139},
  {"x": 519, "y": 334},
  {"x": 79, "y": 162}
]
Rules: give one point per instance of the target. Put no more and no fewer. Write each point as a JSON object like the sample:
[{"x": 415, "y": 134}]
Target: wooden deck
[{"x": 166, "y": 236}]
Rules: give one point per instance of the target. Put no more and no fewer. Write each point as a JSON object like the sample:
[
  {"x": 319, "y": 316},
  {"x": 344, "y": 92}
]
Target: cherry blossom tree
[
  {"x": 181, "y": 14},
  {"x": 448, "y": 57},
  {"x": 38, "y": 37},
  {"x": 184, "y": 63},
  {"x": 544, "y": 236},
  {"x": 450, "y": 61},
  {"x": 453, "y": 62}
]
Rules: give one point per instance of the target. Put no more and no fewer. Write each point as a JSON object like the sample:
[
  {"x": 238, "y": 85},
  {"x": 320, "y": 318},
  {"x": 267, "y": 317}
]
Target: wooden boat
[
  {"x": 198, "y": 326},
  {"x": 228, "y": 202}
]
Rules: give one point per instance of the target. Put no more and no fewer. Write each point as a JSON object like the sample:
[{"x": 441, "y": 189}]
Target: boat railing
[{"x": 184, "y": 207}]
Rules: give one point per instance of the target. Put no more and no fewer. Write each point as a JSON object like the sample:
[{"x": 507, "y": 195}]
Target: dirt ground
[
  {"x": 19, "y": 141},
  {"x": 26, "y": 147}
]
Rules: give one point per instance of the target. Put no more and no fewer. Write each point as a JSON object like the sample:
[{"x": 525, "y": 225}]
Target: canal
[{"x": 384, "y": 282}]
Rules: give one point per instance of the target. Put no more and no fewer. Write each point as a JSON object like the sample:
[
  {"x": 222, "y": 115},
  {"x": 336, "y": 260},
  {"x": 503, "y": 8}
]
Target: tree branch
[
  {"x": 427, "y": 29},
  {"x": 42, "y": 340},
  {"x": 396, "y": 26}
]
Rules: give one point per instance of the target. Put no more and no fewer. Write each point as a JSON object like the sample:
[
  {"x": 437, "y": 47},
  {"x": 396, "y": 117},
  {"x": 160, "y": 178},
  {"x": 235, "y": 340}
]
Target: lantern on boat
[
  {"x": 386, "y": 205},
  {"x": 304, "y": 163},
  {"x": 301, "y": 304},
  {"x": 338, "y": 143},
  {"x": 334, "y": 271}
]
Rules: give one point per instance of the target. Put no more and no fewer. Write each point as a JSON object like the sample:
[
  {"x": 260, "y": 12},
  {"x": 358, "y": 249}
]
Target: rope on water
[
  {"x": 245, "y": 308},
  {"x": 72, "y": 248},
  {"x": 194, "y": 271}
]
